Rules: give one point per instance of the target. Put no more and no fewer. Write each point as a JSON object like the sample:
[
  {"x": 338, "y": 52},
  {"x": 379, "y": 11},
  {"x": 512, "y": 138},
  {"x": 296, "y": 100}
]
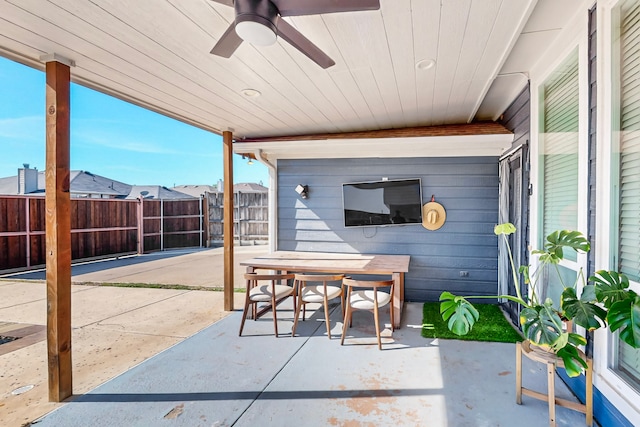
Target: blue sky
[{"x": 109, "y": 137}]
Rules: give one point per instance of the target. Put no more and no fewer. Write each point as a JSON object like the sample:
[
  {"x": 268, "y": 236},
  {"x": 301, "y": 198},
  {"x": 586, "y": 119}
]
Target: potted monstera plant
[{"x": 604, "y": 300}]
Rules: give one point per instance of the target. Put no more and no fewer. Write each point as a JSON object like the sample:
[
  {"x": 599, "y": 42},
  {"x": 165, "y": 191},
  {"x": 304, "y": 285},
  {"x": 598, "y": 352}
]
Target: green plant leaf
[
  {"x": 583, "y": 311},
  {"x": 573, "y": 363},
  {"x": 560, "y": 239},
  {"x": 610, "y": 286},
  {"x": 505, "y": 228},
  {"x": 541, "y": 324},
  {"x": 625, "y": 316},
  {"x": 568, "y": 338},
  {"x": 459, "y": 313}
]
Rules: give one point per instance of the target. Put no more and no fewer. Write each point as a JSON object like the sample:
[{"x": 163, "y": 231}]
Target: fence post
[
  {"x": 205, "y": 220},
  {"x": 161, "y": 224},
  {"x": 28, "y": 230},
  {"x": 201, "y": 219},
  {"x": 238, "y": 219},
  {"x": 140, "y": 225}
]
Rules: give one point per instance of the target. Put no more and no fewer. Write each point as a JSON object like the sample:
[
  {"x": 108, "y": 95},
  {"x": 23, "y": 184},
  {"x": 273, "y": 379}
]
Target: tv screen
[{"x": 391, "y": 202}]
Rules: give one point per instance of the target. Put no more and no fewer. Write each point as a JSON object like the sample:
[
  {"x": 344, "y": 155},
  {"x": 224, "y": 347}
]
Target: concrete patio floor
[
  {"x": 216, "y": 378},
  {"x": 166, "y": 375},
  {"x": 114, "y": 328}
]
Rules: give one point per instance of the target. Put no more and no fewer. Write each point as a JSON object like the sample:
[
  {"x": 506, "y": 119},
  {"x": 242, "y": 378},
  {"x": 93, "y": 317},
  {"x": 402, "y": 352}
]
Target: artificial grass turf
[{"x": 491, "y": 326}]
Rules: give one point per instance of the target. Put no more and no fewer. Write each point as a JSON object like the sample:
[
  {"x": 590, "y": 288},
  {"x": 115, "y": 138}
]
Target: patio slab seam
[
  {"x": 150, "y": 304},
  {"x": 284, "y": 365}
]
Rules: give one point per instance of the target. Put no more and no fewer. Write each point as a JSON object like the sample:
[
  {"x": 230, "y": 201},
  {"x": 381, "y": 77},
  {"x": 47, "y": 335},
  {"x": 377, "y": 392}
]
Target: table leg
[{"x": 398, "y": 298}]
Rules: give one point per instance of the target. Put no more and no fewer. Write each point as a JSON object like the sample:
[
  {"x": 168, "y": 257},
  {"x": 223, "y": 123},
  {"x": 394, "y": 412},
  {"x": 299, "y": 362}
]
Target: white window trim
[
  {"x": 620, "y": 394},
  {"x": 576, "y": 36}
]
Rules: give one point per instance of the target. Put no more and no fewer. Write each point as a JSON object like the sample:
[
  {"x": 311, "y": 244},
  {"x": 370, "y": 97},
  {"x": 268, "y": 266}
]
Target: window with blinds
[
  {"x": 626, "y": 157},
  {"x": 629, "y": 140},
  {"x": 559, "y": 119}
]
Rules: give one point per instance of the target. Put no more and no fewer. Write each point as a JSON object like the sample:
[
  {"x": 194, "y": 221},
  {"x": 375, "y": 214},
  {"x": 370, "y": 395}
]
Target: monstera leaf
[
  {"x": 557, "y": 241},
  {"x": 505, "y": 228},
  {"x": 573, "y": 362},
  {"x": 541, "y": 324},
  {"x": 460, "y": 314},
  {"x": 625, "y": 316},
  {"x": 583, "y": 311},
  {"x": 611, "y": 287}
]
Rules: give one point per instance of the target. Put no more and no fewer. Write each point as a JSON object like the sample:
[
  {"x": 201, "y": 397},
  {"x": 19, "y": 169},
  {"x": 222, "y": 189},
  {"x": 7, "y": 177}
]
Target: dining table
[{"x": 347, "y": 263}]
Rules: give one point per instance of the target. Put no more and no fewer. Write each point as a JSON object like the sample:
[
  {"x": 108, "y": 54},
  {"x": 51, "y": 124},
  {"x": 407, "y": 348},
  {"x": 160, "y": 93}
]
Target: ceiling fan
[{"x": 259, "y": 23}]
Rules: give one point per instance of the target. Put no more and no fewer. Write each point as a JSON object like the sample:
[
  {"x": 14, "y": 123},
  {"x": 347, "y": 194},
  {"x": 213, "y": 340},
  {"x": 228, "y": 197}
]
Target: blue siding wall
[{"x": 467, "y": 187}]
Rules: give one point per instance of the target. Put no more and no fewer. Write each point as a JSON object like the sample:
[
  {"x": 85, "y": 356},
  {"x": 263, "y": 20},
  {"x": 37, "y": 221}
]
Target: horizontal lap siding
[{"x": 466, "y": 187}]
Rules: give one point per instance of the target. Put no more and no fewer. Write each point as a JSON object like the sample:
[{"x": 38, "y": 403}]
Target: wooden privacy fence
[
  {"x": 251, "y": 217},
  {"x": 172, "y": 224},
  {"x": 99, "y": 228}
]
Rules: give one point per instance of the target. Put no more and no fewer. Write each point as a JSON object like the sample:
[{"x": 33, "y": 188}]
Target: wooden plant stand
[{"x": 552, "y": 361}]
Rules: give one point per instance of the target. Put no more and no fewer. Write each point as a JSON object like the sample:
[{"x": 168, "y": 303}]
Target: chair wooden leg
[
  {"x": 295, "y": 299},
  {"x": 377, "y": 319},
  {"x": 347, "y": 317},
  {"x": 297, "y": 313},
  {"x": 275, "y": 318},
  {"x": 391, "y": 312},
  {"x": 551, "y": 373},
  {"x": 326, "y": 315},
  {"x": 244, "y": 314}
]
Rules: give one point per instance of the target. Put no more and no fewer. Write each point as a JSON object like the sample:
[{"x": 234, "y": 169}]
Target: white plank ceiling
[{"x": 155, "y": 53}]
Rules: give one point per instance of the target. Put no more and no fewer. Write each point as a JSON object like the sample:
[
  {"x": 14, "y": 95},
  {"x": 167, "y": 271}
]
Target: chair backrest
[
  {"x": 367, "y": 283},
  {"x": 318, "y": 277},
  {"x": 255, "y": 276}
]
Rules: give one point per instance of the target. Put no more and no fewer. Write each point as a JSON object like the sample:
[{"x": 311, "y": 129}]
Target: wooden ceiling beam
[{"x": 466, "y": 129}]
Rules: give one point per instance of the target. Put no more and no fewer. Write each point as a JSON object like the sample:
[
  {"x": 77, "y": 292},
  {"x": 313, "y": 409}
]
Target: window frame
[
  {"x": 624, "y": 396},
  {"x": 575, "y": 39}
]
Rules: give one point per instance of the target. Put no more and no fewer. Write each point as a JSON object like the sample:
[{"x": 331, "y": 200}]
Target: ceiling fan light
[{"x": 255, "y": 33}]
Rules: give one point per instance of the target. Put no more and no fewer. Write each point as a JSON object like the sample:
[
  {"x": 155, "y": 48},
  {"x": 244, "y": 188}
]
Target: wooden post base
[{"x": 552, "y": 361}]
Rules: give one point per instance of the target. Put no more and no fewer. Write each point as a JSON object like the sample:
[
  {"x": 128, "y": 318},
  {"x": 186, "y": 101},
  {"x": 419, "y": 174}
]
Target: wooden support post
[
  {"x": 227, "y": 148},
  {"x": 58, "y": 231}
]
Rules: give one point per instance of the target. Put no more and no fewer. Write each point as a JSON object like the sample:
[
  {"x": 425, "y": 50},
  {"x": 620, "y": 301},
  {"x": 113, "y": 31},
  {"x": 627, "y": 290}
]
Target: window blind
[
  {"x": 628, "y": 360},
  {"x": 559, "y": 137},
  {"x": 629, "y": 214}
]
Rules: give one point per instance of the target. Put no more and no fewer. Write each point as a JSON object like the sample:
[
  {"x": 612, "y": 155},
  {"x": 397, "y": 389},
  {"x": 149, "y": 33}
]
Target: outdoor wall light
[
  {"x": 250, "y": 161},
  {"x": 303, "y": 190}
]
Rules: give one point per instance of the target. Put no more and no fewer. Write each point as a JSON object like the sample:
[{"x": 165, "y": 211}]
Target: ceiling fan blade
[
  {"x": 303, "y": 44},
  {"x": 225, "y": 2},
  {"x": 298, "y": 8},
  {"x": 228, "y": 43}
]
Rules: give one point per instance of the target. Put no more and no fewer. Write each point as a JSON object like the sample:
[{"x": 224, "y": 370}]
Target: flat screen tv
[{"x": 380, "y": 203}]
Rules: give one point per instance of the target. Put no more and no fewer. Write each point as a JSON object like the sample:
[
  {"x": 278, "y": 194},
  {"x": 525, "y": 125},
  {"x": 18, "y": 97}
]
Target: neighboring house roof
[
  {"x": 89, "y": 183},
  {"x": 85, "y": 182},
  {"x": 80, "y": 182},
  {"x": 9, "y": 185},
  {"x": 195, "y": 190},
  {"x": 156, "y": 192},
  {"x": 243, "y": 187},
  {"x": 249, "y": 187}
]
